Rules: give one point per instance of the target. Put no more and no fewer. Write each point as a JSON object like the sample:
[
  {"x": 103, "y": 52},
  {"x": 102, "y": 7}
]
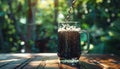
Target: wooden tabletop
[{"x": 50, "y": 61}]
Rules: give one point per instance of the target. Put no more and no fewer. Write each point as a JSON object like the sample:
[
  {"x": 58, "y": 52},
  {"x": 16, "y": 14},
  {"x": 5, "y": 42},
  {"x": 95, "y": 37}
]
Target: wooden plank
[
  {"x": 80, "y": 65},
  {"x": 4, "y": 56},
  {"x": 50, "y": 61},
  {"x": 8, "y": 59},
  {"x": 23, "y": 63},
  {"x": 12, "y": 55},
  {"x": 6, "y": 62},
  {"x": 3, "y": 64},
  {"x": 34, "y": 63},
  {"x": 14, "y": 60},
  {"x": 51, "y": 66},
  {"x": 41, "y": 60},
  {"x": 15, "y": 64},
  {"x": 105, "y": 61},
  {"x": 55, "y": 64},
  {"x": 86, "y": 65}
]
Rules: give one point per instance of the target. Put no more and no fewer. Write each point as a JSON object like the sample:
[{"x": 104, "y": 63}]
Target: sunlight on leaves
[
  {"x": 5, "y": 7},
  {"x": 9, "y": 32},
  {"x": 99, "y": 1},
  {"x": 0, "y": 2},
  {"x": 22, "y": 43},
  {"x": 13, "y": 30},
  {"x": 85, "y": 25},
  {"x": 118, "y": 15},
  {"x": 110, "y": 33},
  {"x": 6, "y": 16},
  {"x": 13, "y": 49},
  {"x": 45, "y": 4},
  {"x": 90, "y": 48},
  {"x": 108, "y": 1},
  {"x": 10, "y": 39},
  {"x": 23, "y": 20},
  {"x": 21, "y": 1}
]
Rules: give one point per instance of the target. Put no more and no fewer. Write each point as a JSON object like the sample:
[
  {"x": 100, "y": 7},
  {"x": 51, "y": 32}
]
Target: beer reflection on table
[
  {"x": 79, "y": 65},
  {"x": 69, "y": 66}
]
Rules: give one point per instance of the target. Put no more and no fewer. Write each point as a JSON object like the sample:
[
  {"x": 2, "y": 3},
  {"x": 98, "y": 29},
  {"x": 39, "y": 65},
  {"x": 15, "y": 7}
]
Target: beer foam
[{"x": 71, "y": 28}]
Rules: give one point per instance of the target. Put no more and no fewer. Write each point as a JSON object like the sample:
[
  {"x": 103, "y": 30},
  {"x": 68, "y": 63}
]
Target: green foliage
[{"x": 100, "y": 17}]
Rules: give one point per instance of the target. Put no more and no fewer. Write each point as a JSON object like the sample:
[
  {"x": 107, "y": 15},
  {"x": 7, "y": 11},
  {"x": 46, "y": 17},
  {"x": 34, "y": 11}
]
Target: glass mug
[{"x": 69, "y": 47}]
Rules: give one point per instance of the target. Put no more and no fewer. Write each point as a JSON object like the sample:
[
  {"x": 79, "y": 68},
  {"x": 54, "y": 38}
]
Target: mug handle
[{"x": 88, "y": 42}]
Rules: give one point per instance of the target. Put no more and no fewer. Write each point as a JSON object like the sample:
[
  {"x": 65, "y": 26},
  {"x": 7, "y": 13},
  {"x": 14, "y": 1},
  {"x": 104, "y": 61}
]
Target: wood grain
[{"x": 51, "y": 61}]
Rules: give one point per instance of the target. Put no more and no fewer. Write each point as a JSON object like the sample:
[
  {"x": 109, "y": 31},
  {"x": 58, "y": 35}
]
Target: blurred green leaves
[{"x": 100, "y": 17}]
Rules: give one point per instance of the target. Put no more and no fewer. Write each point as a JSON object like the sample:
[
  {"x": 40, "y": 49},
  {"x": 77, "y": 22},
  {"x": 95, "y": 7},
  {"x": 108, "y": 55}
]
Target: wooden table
[{"x": 50, "y": 61}]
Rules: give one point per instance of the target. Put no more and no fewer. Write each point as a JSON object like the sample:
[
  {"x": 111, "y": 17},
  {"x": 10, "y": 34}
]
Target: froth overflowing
[{"x": 71, "y": 28}]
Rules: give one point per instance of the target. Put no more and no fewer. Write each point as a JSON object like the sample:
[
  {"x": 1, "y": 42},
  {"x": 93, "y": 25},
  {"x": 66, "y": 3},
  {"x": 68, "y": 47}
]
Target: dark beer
[{"x": 69, "y": 44}]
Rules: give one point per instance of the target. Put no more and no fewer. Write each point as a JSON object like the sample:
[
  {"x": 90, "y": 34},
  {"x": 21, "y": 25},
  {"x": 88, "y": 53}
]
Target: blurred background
[{"x": 31, "y": 25}]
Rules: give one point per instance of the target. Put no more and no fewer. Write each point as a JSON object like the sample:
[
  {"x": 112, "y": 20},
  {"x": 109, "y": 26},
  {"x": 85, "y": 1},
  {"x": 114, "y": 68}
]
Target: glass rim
[{"x": 64, "y": 22}]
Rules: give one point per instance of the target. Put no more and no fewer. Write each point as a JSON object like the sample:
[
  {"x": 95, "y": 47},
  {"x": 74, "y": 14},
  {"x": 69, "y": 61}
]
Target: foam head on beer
[{"x": 69, "y": 28}]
